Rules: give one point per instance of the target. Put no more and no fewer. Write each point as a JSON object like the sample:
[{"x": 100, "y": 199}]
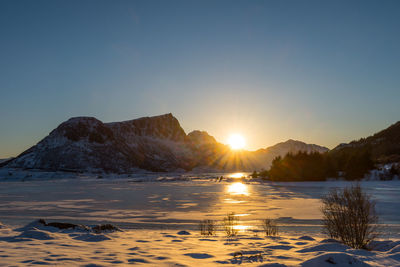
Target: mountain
[
  {"x": 153, "y": 143},
  {"x": 85, "y": 143},
  {"x": 4, "y": 160},
  {"x": 352, "y": 161},
  {"x": 290, "y": 146},
  {"x": 383, "y": 146}
]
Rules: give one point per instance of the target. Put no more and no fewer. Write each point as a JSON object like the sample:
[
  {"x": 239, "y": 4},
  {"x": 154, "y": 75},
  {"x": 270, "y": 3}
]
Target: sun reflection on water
[
  {"x": 241, "y": 228},
  {"x": 233, "y": 201},
  {"x": 238, "y": 188}
]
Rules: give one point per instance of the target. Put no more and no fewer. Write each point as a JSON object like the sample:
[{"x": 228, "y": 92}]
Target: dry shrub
[
  {"x": 207, "y": 227},
  {"x": 270, "y": 227},
  {"x": 349, "y": 215},
  {"x": 230, "y": 223}
]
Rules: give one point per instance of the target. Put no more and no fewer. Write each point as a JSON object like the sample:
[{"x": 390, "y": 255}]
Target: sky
[{"x": 322, "y": 72}]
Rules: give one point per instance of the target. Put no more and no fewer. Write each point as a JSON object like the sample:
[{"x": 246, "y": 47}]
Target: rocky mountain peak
[
  {"x": 83, "y": 128},
  {"x": 164, "y": 126}
]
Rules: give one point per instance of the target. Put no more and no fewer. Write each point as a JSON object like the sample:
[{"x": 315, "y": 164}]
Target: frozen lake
[{"x": 182, "y": 204}]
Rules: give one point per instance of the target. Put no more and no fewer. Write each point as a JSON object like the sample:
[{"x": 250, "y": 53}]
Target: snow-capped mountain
[
  {"x": 153, "y": 143},
  {"x": 85, "y": 143}
]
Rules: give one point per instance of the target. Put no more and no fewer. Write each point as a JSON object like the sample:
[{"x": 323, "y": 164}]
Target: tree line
[{"x": 303, "y": 166}]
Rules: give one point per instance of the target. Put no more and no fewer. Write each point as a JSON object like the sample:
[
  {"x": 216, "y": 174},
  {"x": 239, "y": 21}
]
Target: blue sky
[{"x": 323, "y": 72}]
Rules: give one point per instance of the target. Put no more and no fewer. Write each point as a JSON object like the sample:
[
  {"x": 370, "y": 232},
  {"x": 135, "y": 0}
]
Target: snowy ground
[
  {"x": 145, "y": 202},
  {"x": 153, "y": 208},
  {"x": 36, "y": 244}
]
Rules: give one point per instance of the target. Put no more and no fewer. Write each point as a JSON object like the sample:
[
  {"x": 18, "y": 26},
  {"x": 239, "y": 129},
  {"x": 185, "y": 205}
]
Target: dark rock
[
  {"x": 330, "y": 260},
  {"x": 63, "y": 226},
  {"x": 105, "y": 228}
]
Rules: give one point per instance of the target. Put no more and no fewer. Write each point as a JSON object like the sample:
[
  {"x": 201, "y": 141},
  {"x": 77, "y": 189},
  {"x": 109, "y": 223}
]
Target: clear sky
[{"x": 323, "y": 72}]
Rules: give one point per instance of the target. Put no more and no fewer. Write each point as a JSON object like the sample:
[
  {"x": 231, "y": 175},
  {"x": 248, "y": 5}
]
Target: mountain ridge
[
  {"x": 384, "y": 146},
  {"x": 156, "y": 143}
]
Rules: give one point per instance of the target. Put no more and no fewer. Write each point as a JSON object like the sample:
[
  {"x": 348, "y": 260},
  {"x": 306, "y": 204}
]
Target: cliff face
[{"x": 153, "y": 143}]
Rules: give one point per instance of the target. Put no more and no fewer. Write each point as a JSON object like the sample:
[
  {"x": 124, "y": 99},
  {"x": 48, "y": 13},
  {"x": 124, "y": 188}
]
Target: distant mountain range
[
  {"x": 152, "y": 143},
  {"x": 374, "y": 157}
]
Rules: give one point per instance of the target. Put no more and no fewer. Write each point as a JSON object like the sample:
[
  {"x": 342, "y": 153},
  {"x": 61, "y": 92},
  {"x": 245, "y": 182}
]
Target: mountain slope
[
  {"x": 383, "y": 146},
  {"x": 153, "y": 143},
  {"x": 5, "y": 160},
  {"x": 85, "y": 144}
]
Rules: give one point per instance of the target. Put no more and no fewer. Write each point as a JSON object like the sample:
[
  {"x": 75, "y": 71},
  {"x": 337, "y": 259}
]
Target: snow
[
  {"x": 384, "y": 245},
  {"x": 160, "y": 221},
  {"x": 339, "y": 259},
  {"x": 181, "y": 200},
  {"x": 159, "y": 248},
  {"x": 183, "y": 232}
]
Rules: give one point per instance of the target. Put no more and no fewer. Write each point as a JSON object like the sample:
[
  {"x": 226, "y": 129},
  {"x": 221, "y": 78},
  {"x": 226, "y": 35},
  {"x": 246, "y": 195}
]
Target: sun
[{"x": 236, "y": 141}]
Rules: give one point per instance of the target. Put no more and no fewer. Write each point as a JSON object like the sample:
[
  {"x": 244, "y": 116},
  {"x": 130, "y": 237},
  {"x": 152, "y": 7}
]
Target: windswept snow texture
[{"x": 50, "y": 246}]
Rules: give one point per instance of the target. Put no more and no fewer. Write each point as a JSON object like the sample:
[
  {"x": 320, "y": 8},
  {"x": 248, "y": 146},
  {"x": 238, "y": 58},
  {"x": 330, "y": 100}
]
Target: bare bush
[
  {"x": 349, "y": 215},
  {"x": 207, "y": 227},
  {"x": 230, "y": 224},
  {"x": 270, "y": 227}
]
